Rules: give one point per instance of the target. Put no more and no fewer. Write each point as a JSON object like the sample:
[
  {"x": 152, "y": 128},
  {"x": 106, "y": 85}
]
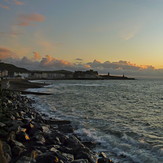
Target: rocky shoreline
[{"x": 27, "y": 136}]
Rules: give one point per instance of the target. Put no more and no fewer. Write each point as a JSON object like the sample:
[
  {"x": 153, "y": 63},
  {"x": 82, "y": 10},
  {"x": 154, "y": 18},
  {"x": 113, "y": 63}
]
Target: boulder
[
  {"x": 22, "y": 136},
  {"x": 5, "y": 152},
  {"x": 25, "y": 159},
  {"x": 80, "y": 161},
  {"x": 66, "y": 128},
  {"x": 47, "y": 158}
]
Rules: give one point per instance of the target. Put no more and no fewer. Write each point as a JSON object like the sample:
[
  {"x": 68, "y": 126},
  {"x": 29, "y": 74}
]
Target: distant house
[
  {"x": 90, "y": 74},
  {"x": 51, "y": 75},
  {"x": 3, "y": 73},
  {"x": 21, "y": 75}
]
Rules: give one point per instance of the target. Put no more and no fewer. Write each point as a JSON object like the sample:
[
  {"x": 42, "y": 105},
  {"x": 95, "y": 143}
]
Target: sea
[{"x": 124, "y": 117}]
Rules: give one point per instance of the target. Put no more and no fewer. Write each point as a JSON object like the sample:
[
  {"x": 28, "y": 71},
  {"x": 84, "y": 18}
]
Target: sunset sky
[{"x": 125, "y": 35}]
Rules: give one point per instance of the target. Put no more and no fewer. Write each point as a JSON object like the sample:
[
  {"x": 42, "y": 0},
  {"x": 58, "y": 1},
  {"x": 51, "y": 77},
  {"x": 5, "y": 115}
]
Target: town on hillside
[{"x": 9, "y": 71}]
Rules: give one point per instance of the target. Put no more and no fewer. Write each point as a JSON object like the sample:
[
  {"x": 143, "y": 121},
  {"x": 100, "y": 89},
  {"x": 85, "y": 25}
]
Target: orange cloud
[
  {"x": 50, "y": 61},
  {"x": 4, "y": 6},
  {"x": 6, "y": 53},
  {"x": 29, "y": 19},
  {"x": 36, "y": 56},
  {"x": 18, "y": 2}
]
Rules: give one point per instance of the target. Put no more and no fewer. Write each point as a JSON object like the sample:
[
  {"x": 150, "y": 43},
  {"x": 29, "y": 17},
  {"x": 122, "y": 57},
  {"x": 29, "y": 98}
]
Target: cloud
[
  {"x": 6, "y": 53},
  {"x": 51, "y": 62},
  {"x": 4, "y": 6},
  {"x": 30, "y": 19},
  {"x": 36, "y": 56},
  {"x": 79, "y": 59},
  {"x": 48, "y": 62},
  {"x": 18, "y": 2}
]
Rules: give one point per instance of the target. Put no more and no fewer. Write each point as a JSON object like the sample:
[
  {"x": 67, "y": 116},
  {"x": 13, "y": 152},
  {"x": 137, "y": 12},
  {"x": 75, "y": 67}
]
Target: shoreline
[{"x": 28, "y": 135}]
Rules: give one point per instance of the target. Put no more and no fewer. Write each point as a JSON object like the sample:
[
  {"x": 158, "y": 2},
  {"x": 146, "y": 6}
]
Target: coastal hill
[
  {"x": 12, "y": 71},
  {"x": 12, "y": 68}
]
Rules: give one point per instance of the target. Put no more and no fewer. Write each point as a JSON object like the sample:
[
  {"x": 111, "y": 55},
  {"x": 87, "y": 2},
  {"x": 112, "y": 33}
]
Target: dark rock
[
  {"x": 25, "y": 159},
  {"x": 47, "y": 158},
  {"x": 73, "y": 142},
  {"x": 45, "y": 128},
  {"x": 103, "y": 158},
  {"x": 84, "y": 155},
  {"x": 69, "y": 157},
  {"x": 5, "y": 152},
  {"x": 2, "y": 125},
  {"x": 22, "y": 136},
  {"x": 66, "y": 128},
  {"x": 103, "y": 155},
  {"x": 80, "y": 161},
  {"x": 58, "y": 122},
  {"x": 39, "y": 138},
  {"x": 89, "y": 144},
  {"x": 17, "y": 150},
  {"x": 3, "y": 134}
]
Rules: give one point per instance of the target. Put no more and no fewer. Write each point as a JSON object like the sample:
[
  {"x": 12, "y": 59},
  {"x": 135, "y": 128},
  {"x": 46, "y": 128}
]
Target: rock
[
  {"x": 2, "y": 125},
  {"x": 16, "y": 143},
  {"x": 66, "y": 128},
  {"x": 22, "y": 136},
  {"x": 47, "y": 158},
  {"x": 39, "y": 139},
  {"x": 5, "y": 152},
  {"x": 17, "y": 151},
  {"x": 3, "y": 134},
  {"x": 73, "y": 142},
  {"x": 25, "y": 159},
  {"x": 84, "y": 155},
  {"x": 103, "y": 158},
  {"x": 103, "y": 155},
  {"x": 52, "y": 139},
  {"x": 89, "y": 144},
  {"x": 69, "y": 157},
  {"x": 58, "y": 122},
  {"x": 80, "y": 161},
  {"x": 45, "y": 128}
]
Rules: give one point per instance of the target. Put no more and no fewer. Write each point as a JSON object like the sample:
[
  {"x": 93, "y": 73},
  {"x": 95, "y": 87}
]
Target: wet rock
[
  {"x": 73, "y": 142},
  {"x": 103, "y": 158},
  {"x": 80, "y": 161},
  {"x": 3, "y": 134},
  {"x": 17, "y": 151},
  {"x": 52, "y": 140},
  {"x": 66, "y": 128},
  {"x": 25, "y": 159},
  {"x": 84, "y": 155},
  {"x": 22, "y": 136},
  {"x": 47, "y": 158},
  {"x": 5, "y": 152},
  {"x": 39, "y": 139},
  {"x": 58, "y": 122},
  {"x": 89, "y": 144},
  {"x": 2, "y": 125},
  {"x": 69, "y": 157},
  {"x": 45, "y": 128}
]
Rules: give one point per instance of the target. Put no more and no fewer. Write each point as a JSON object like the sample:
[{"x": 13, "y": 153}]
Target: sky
[{"x": 116, "y": 36}]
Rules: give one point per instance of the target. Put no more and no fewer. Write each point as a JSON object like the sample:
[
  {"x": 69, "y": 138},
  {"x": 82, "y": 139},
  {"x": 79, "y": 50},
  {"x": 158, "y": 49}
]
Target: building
[
  {"x": 90, "y": 74},
  {"x": 21, "y": 75},
  {"x": 3, "y": 73}
]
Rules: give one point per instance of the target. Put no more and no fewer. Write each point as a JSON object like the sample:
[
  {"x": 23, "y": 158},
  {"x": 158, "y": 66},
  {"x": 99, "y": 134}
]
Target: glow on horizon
[{"x": 108, "y": 30}]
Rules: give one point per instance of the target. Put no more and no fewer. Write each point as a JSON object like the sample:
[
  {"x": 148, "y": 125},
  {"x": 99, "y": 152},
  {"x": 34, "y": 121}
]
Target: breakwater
[{"x": 27, "y": 136}]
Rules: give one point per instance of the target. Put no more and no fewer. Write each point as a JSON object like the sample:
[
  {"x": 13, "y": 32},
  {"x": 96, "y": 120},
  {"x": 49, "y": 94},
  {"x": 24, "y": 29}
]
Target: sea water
[{"x": 125, "y": 117}]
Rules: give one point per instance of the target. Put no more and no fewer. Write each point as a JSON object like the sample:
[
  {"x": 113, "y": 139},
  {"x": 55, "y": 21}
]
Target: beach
[{"x": 26, "y": 135}]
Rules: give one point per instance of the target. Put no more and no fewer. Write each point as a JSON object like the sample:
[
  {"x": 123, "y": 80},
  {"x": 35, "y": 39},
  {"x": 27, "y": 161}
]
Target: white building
[
  {"x": 21, "y": 75},
  {"x": 3, "y": 73}
]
